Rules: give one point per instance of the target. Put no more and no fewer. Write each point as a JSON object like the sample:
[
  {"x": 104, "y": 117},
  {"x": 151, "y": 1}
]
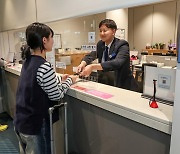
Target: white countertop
[
  {"x": 128, "y": 104},
  {"x": 16, "y": 69},
  {"x": 125, "y": 103}
]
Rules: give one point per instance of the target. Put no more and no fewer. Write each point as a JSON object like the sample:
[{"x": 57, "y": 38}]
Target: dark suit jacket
[{"x": 118, "y": 63}]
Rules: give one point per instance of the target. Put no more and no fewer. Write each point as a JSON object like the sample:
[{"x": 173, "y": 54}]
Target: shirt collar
[{"x": 109, "y": 44}]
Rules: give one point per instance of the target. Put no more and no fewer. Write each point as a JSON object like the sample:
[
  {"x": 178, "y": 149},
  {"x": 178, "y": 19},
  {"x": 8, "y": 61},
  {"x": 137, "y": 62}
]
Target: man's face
[{"x": 106, "y": 34}]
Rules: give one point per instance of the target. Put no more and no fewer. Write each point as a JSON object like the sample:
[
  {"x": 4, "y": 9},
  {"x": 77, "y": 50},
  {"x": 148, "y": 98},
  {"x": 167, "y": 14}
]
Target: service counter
[
  {"x": 10, "y": 76},
  {"x": 105, "y": 119}
]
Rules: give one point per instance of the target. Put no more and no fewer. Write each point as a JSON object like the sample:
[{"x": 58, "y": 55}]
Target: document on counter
[{"x": 94, "y": 92}]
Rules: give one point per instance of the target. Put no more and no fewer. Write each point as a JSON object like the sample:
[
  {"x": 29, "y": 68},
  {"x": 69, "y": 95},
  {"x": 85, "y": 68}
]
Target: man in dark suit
[{"x": 113, "y": 59}]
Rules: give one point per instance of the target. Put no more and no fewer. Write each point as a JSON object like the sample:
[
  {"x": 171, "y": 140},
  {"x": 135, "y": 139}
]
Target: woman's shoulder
[
  {"x": 44, "y": 67},
  {"x": 46, "y": 64}
]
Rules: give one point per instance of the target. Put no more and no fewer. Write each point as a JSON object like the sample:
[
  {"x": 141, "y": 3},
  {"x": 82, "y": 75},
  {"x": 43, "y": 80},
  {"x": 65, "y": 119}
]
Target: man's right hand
[{"x": 81, "y": 67}]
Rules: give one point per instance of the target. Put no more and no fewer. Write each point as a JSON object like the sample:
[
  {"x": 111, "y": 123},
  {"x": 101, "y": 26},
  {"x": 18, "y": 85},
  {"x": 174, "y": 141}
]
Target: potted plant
[
  {"x": 156, "y": 45},
  {"x": 161, "y": 45}
]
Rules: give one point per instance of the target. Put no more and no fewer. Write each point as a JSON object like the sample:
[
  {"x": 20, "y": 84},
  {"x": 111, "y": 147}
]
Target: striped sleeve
[{"x": 50, "y": 83}]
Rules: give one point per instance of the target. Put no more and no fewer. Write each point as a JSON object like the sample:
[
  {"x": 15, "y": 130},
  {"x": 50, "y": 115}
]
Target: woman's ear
[{"x": 44, "y": 40}]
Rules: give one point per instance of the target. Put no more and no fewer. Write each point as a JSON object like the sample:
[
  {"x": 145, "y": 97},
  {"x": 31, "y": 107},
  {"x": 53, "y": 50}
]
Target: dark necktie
[{"x": 106, "y": 53}]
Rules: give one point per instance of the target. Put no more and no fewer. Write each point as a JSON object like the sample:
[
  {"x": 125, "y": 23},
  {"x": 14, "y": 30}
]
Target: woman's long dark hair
[{"x": 34, "y": 37}]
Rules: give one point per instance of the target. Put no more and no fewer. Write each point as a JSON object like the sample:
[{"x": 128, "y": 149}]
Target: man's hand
[
  {"x": 87, "y": 71},
  {"x": 89, "y": 68},
  {"x": 81, "y": 67}
]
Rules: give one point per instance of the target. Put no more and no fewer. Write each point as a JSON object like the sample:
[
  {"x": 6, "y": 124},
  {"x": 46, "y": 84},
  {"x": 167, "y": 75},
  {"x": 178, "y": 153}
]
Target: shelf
[{"x": 163, "y": 51}]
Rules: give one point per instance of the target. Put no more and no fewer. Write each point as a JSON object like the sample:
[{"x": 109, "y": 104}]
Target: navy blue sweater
[{"x": 32, "y": 102}]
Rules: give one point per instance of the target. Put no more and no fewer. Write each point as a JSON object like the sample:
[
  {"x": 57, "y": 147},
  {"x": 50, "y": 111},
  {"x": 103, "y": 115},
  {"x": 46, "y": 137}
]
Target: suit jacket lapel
[
  {"x": 112, "y": 47},
  {"x": 101, "y": 51},
  {"x": 111, "y": 50}
]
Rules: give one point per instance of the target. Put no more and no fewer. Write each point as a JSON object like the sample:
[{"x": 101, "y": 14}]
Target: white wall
[
  {"x": 175, "y": 136},
  {"x": 153, "y": 24},
  {"x": 1, "y": 45},
  {"x": 177, "y": 17},
  {"x": 4, "y": 44},
  {"x": 19, "y": 13},
  {"x": 120, "y": 16},
  {"x": 164, "y": 22},
  {"x": 139, "y": 18},
  {"x": 142, "y": 30},
  {"x": 74, "y": 32},
  {"x": 74, "y": 8},
  {"x": 1, "y": 16}
]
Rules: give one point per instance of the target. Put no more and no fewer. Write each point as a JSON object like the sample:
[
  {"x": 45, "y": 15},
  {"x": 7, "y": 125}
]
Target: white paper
[
  {"x": 91, "y": 37},
  {"x": 50, "y": 57},
  {"x": 57, "y": 41},
  {"x": 120, "y": 33},
  {"x": 60, "y": 65},
  {"x": 66, "y": 60}
]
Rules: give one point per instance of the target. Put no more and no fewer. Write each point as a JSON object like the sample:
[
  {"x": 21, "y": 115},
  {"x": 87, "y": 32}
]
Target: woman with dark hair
[
  {"x": 113, "y": 57},
  {"x": 38, "y": 89}
]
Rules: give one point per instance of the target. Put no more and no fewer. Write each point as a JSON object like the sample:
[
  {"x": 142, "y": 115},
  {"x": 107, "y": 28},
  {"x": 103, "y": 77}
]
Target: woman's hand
[
  {"x": 64, "y": 77},
  {"x": 73, "y": 77}
]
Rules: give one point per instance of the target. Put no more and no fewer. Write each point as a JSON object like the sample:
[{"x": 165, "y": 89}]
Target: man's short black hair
[{"x": 108, "y": 23}]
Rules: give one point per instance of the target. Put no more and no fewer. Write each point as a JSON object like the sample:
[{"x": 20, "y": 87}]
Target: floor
[{"x": 8, "y": 139}]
